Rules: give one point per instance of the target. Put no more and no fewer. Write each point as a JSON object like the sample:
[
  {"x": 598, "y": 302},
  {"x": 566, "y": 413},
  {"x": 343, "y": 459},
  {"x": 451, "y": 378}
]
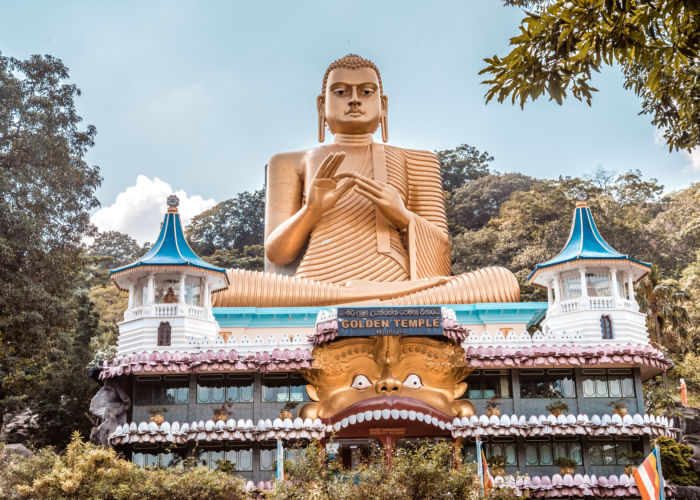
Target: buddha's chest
[{"x": 355, "y": 157}]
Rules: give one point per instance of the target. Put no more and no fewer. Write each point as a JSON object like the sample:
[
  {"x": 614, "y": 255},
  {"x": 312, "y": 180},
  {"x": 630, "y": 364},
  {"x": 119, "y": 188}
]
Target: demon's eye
[
  {"x": 413, "y": 382},
  {"x": 361, "y": 382}
]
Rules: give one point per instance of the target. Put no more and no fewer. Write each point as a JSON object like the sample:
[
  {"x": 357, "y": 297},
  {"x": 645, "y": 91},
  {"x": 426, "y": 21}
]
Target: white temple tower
[
  {"x": 590, "y": 287},
  {"x": 169, "y": 294}
]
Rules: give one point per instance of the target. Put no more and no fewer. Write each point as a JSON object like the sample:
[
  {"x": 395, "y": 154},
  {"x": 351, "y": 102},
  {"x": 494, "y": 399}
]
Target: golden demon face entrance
[{"x": 387, "y": 388}]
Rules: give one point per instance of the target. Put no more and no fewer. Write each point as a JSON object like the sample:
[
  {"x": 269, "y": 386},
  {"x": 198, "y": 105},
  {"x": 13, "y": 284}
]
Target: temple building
[{"x": 190, "y": 379}]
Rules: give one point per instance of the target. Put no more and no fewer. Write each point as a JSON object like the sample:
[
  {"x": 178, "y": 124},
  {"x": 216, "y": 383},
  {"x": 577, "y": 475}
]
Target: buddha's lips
[{"x": 389, "y": 403}]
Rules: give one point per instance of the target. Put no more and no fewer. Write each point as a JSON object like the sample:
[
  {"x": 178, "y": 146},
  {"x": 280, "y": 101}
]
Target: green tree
[
  {"x": 462, "y": 164},
  {"x": 231, "y": 224},
  {"x": 251, "y": 258},
  {"x": 479, "y": 201},
  {"x": 655, "y": 42},
  {"x": 47, "y": 193},
  {"x": 661, "y": 302},
  {"x": 675, "y": 463},
  {"x": 121, "y": 249}
]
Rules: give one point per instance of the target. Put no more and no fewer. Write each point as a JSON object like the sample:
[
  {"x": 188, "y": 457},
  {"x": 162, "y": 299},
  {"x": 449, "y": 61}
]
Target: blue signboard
[{"x": 373, "y": 321}]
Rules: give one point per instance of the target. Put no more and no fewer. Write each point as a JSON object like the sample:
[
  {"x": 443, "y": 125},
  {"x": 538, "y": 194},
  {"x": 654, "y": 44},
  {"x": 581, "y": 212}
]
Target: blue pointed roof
[
  {"x": 585, "y": 242},
  {"x": 171, "y": 249}
]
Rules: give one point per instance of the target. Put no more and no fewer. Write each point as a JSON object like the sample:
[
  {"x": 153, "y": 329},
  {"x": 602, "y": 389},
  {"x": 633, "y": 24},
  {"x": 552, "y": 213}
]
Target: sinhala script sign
[{"x": 363, "y": 321}]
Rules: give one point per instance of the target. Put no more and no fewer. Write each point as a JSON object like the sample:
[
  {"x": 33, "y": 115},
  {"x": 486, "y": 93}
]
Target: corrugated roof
[
  {"x": 171, "y": 249},
  {"x": 585, "y": 242}
]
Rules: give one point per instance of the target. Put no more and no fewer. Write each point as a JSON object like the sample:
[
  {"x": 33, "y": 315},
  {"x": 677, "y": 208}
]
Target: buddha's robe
[{"x": 354, "y": 241}]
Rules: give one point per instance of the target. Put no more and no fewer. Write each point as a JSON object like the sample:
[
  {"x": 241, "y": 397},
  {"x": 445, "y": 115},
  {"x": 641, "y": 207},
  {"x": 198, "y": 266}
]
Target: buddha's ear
[
  {"x": 460, "y": 389},
  {"x": 312, "y": 392},
  {"x": 321, "y": 110},
  {"x": 385, "y": 118}
]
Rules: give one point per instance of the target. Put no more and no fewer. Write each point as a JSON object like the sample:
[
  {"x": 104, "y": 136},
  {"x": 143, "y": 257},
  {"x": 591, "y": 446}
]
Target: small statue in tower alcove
[{"x": 170, "y": 297}]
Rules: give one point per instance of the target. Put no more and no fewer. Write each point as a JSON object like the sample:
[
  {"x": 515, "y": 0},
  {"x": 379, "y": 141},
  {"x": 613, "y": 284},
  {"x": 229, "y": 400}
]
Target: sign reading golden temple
[{"x": 353, "y": 322}]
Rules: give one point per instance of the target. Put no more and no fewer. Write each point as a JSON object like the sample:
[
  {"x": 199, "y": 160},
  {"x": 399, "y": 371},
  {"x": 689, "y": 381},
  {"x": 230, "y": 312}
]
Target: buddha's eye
[
  {"x": 368, "y": 92},
  {"x": 340, "y": 92},
  {"x": 361, "y": 382},
  {"x": 413, "y": 382}
]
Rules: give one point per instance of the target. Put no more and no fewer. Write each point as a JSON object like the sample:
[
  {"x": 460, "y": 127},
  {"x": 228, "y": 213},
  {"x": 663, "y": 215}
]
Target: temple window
[
  {"x": 162, "y": 390},
  {"x": 612, "y": 383},
  {"x": 483, "y": 384},
  {"x": 280, "y": 387},
  {"x": 268, "y": 453},
  {"x": 164, "y": 334},
  {"x": 552, "y": 383},
  {"x": 153, "y": 455},
  {"x": 606, "y": 450},
  {"x": 543, "y": 450},
  {"x": 167, "y": 290},
  {"x": 219, "y": 388},
  {"x": 606, "y": 327},
  {"x": 492, "y": 445},
  {"x": 239, "y": 454}
]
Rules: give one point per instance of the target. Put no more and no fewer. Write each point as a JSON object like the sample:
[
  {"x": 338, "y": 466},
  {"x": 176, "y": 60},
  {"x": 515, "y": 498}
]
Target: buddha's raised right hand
[{"x": 324, "y": 190}]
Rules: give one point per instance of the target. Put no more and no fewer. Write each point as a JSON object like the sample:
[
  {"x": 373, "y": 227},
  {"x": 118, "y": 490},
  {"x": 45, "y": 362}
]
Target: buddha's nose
[
  {"x": 387, "y": 384},
  {"x": 353, "y": 97}
]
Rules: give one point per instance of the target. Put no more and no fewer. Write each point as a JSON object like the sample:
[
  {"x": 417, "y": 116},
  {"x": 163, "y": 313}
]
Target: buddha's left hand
[{"x": 385, "y": 197}]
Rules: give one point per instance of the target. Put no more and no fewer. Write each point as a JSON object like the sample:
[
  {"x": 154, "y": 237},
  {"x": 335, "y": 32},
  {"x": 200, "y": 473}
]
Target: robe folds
[{"x": 354, "y": 241}]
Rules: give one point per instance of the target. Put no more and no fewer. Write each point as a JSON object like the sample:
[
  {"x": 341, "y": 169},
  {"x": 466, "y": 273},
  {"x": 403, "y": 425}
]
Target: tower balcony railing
[
  {"x": 167, "y": 311},
  {"x": 592, "y": 304}
]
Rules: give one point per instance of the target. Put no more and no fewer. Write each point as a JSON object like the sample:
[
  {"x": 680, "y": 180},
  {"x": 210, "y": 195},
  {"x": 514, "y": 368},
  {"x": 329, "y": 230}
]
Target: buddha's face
[
  {"x": 352, "y": 103},
  {"x": 410, "y": 373}
]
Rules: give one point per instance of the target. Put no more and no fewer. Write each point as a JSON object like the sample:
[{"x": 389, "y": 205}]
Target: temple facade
[{"x": 535, "y": 382}]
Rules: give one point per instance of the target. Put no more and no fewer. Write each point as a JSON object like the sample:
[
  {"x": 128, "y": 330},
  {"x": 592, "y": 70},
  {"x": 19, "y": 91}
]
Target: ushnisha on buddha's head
[{"x": 352, "y": 100}]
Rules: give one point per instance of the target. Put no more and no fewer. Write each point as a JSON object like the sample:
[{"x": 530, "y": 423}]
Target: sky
[{"x": 195, "y": 97}]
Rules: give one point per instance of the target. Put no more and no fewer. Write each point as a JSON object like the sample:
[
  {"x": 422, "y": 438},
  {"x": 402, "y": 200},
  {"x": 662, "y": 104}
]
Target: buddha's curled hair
[{"x": 351, "y": 61}]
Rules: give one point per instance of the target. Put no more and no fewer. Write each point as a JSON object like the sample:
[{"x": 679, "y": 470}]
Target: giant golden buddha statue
[{"x": 358, "y": 221}]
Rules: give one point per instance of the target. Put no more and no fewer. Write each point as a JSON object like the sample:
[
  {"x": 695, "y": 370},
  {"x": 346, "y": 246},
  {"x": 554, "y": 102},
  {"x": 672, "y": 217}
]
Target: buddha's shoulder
[
  {"x": 413, "y": 156},
  {"x": 298, "y": 158}
]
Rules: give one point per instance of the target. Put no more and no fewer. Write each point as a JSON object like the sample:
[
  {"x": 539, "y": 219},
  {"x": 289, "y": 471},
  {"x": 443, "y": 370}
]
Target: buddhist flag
[
  {"x": 485, "y": 479},
  {"x": 280, "y": 460},
  {"x": 650, "y": 481}
]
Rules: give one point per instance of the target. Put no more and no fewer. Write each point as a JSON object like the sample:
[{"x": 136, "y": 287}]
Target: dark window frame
[
  {"x": 235, "y": 389},
  {"x": 152, "y": 390},
  {"x": 487, "y": 376},
  {"x": 548, "y": 384},
  {"x": 604, "y": 376},
  {"x": 164, "y": 334},
  {"x": 617, "y": 445},
  {"x": 279, "y": 388},
  {"x": 606, "y": 327}
]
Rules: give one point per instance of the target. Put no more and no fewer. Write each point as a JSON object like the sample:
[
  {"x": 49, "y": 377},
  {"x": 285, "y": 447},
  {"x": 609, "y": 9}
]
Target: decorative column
[
  {"x": 132, "y": 291},
  {"x": 549, "y": 293},
  {"x": 182, "y": 303},
  {"x": 630, "y": 286},
  {"x": 584, "y": 303},
  {"x": 613, "y": 282},
  {"x": 151, "y": 289},
  {"x": 558, "y": 295},
  {"x": 206, "y": 295}
]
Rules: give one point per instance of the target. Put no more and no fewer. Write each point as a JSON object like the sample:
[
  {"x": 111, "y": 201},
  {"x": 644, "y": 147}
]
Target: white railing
[
  {"x": 592, "y": 303},
  {"x": 136, "y": 313},
  {"x": 161, "y": 310},
  {"x": 195, "y": 312},
  {"x": 567, "y": 306},
  {"x": 602, "y": 303}
]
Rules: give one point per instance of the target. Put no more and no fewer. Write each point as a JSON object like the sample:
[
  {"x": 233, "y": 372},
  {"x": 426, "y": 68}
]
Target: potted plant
[
  {"x": 497, "y": 464},
  {"x": 566, "y": 465},
  {"x": 222, "y": 412},
  {"x": 619, "y": 406},
  {"x": 156, "y": 413},
  {"x": 634, "y": 460},
  {"x": 557, "y": 407},
  {"x": 491, "y": 406},
  {"x": 286, "y": 411}
]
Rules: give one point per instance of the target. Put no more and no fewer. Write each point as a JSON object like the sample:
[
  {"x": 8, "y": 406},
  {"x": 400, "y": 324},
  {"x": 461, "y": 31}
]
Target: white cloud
[
  {"x": 692, "y": 157},
  {"x": 139, "y": 210}
]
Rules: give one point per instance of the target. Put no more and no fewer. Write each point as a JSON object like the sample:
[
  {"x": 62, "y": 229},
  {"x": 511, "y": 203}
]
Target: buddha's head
[
  {"x": 352, "y": 100},
  {"x": 411, "y": 373}
]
